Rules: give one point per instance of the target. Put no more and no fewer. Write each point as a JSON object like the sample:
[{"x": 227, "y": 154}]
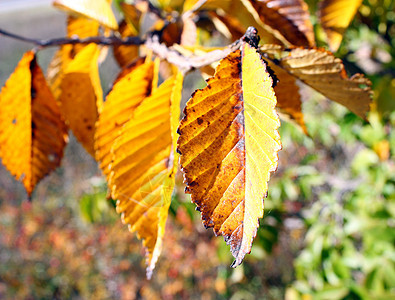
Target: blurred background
[{"x": 328, "y": 231}]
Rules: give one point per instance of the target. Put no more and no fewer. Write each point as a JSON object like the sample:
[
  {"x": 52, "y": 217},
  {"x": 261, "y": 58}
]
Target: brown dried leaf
[
  {"x": 325, "y": 73},
  {"x": 289, "y": 17}
]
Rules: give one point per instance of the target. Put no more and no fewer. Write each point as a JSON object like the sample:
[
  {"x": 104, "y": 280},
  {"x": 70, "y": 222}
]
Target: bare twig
[
  {"x": 187, "y": 63},
  {"x": 171, "y": 55},
  {"x": 100, "y": 40}
]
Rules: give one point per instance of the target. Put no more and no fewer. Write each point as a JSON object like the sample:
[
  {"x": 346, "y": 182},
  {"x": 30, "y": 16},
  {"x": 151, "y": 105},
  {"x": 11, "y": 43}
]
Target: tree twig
[
  {"x": 100, "y": 40},
  {"x": 152, "y": 42}
]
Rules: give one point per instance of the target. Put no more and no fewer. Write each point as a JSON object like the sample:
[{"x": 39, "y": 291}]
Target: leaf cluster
[{"x": 227, "y": 141}]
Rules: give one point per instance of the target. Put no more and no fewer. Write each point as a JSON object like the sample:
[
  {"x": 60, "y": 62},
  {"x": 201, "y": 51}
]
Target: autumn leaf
[
  {"x": 228, "y": 144},
  {"x": 238, "y": 15},
  {"x": 125, "y": 54},
  {"x": 325, "y": 73},
  {"x": 99, "y": 10},
  {"x": 246, "y": 15},
  {"x": 289, "y": 17},
  {"x": 288, "y": 96},
  {"x": 144, "y": 163},
  {"x": 335, "y": 16},
  {"x": 126, "y": 94},
  {"x": 32, "y": 133},
  {"x": 81, "y": 99},
  {"x": 76, "y": 27}
]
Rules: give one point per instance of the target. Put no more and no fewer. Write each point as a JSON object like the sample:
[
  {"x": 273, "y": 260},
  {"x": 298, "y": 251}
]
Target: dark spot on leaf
[
  {"x": 89, "y": 127},
  {"x": 199, "y": 121},
  {"x": 14, "y": 121},
  {"x": 33, "y": 92},
  {"x": 33, "y": 128},
  {"x": 193, "y": 183}
]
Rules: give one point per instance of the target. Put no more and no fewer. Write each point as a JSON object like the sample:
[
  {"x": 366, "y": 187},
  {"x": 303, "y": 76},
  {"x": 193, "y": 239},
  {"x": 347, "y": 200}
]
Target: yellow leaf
[
  {"x": 228, "y": 144},
  {"x": 125, "y": 54},
  {"x": 58, "y": 64},
  {"x": 126, "y": 94},
  {"x": 325, "y": 73},
  {"x": 335, "y": 16},
  {"x": 76, "y": 26},
  {"x": 99, "y": 10},
  {"x": 32, "y": 133},
  {"x": 207, "y": 5},
  {"x": 144, "y": 165},
  {"x": 81, "y": 99},
  {"x": 289, "y": 17}
]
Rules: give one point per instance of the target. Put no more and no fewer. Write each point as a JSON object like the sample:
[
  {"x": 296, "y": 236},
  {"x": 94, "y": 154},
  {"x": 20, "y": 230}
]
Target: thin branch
[
  {"x": 185, "y": 63},
  {"x": 171, "y": 55},
  {"x": 100, "y": 40}
]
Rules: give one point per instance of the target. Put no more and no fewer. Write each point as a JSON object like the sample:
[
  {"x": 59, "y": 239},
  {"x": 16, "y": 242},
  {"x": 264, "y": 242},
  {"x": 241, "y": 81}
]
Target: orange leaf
[
  {"x": 144, "y": 165},
  {"x": 99, "y": 10},
  {"x": 81, "y": 99},
  {"x": 32, "y": 133},
  {"x": 289, "y": 17},
  {"x": 76, "y": 26},
  {"x": 126, "y": 94},
  {"x": 228, "y": 144}
]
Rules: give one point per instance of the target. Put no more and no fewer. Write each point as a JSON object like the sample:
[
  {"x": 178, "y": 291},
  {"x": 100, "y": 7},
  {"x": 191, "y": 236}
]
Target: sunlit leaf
[
  {"x": 289, "y": 17},
  {"x": 76, "y": 27},
  {"x": 228, "y": 144},
  {"x": 144, "y": 165},
  {"x": 126, "y": 94},
  {"x": 32, "y": 133},
  {"x": 99, "y": 10},
  {"x": 335, "y": 16},
  {"x": 325, "y": 73},
  {"x": 81, "y": 99},
  {"x": 125, "y": 54}
]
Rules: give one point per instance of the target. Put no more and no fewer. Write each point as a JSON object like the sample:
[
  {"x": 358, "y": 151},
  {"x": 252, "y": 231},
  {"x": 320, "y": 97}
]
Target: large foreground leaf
[
  {"x": 144, "y": 164},
  {"x": 32, "y": 133},
  {"x": 125, "y": 96},
  {"x": 326, "y": 74},
  {"x": 335, "y": 16},
  {"x": 81, "y": 98},
  {"x": 228, "y": 144},
  {"x": 289, "y": 17}
]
